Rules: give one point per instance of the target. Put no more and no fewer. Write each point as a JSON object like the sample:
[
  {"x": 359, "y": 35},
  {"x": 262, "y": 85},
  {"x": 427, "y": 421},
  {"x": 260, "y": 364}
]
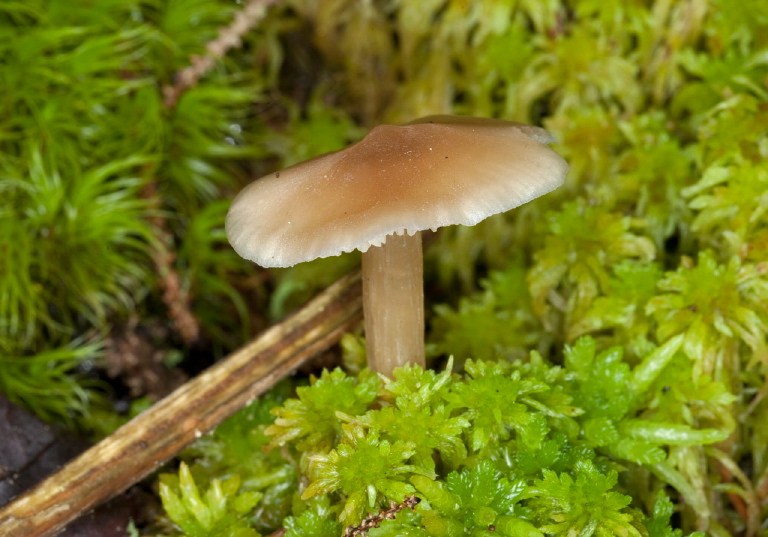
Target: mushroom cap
[{"x": 433, "y": 172}]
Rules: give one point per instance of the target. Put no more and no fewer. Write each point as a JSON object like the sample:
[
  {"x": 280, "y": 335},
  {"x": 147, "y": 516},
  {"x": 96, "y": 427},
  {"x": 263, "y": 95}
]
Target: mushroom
[{"x": 377, "y": 196}]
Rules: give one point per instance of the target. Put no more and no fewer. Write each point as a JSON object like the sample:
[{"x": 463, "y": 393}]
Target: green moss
[
  {"x": 100, "y": 180},
  {"x": 312, "y": 417},
  {"x": 717, "y": 307},
  {"x": 497, "y": 323},
  {"x": 218, "y": 511},
  {"x": 573, "y": 267},
  {"x": 523, "y": 446}
]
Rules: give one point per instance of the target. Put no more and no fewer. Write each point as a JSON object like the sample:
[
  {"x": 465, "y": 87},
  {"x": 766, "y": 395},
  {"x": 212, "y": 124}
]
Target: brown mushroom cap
[{"x": 433, "y": 172}]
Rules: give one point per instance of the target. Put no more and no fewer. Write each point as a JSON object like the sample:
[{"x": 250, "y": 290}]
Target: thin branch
[
  {"x": 146, "y": 442},
  {"x": 175, "y": 297},
  {"x": 374, "y": 521},
  {"x": 229, "y": 37}
]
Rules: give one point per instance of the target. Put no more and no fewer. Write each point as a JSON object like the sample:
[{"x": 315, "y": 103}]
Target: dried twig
[
  {"x": 150, "y": 439},
  {"x": 229, "y": 37},
  {"x": 175, "y": 296},
  {"x": 374, "y": 521}
]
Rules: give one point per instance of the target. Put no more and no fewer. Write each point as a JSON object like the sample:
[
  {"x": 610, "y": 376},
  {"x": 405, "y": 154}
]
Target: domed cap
[{"x": 433, "y": 172}]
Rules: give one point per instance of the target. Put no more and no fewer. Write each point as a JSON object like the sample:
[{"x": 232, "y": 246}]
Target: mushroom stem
[{"x": 393, "y": 303}]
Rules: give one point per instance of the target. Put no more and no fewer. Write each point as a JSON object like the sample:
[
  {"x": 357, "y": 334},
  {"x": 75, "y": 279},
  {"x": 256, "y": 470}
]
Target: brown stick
[
  {"x": 245, "y": 19},
  {"x": 175, "y": 296},
  {"x": 153, "y": 437}
]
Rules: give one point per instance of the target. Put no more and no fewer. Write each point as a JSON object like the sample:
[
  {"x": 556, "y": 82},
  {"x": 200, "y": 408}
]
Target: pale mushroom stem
[{"x": 393, "y": 303}]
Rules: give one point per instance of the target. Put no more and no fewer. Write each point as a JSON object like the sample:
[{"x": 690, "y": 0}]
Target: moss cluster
[
  {"x": 112, "y": 199},
  {"x": 609, "y": 372},
  {"x": 523, "y": 447}
]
